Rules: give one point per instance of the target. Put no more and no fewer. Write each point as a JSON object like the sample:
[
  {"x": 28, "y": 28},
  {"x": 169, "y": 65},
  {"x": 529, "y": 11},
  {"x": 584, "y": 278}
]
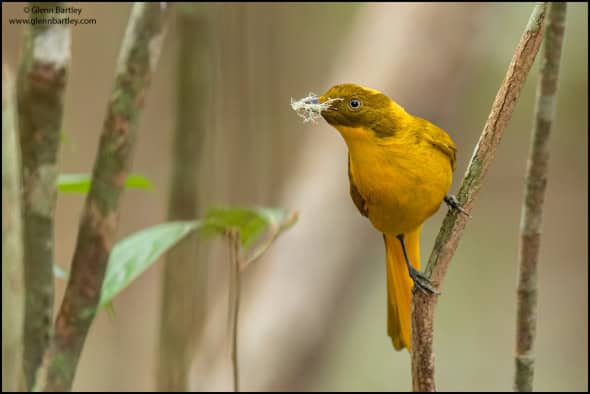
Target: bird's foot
[
  {"x": 421, "y": 282},
  {"x": 453, "y": 203}
]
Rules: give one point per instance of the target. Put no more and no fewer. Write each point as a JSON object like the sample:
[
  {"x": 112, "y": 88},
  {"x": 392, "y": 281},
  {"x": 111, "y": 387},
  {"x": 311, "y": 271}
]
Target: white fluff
[{"x": 309, "y": 107}]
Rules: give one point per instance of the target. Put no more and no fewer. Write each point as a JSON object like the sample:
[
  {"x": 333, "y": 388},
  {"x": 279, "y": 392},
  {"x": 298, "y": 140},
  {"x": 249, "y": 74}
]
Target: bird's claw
[
  {"x": 422, "y": 283},
  {"x": 453, "y": 203}
]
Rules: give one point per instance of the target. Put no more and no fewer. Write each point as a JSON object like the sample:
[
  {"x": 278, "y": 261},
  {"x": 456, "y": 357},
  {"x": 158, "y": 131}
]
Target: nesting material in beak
[{"x": 310, "y": 108}]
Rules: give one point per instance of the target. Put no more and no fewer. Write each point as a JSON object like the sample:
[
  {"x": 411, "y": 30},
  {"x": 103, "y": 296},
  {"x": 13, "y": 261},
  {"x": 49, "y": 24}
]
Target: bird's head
[
  {"x": 354, "y": 106},
  {"x": 350, "y": 106}
]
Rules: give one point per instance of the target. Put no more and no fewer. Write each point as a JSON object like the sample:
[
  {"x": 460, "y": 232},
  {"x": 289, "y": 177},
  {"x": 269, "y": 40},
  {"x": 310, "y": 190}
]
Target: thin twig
[
  {"x": 275, "y": 231},
  {"x": 532, "y": 213},
  {"x": 185, "y": 275},
  {"x": 13, "y": 286},
  {"x": 454, "y": 223},
  {"x": 96, "y": 235},
  {"x": 233, "y": 238},
  {"x": 40, "y": 90}
]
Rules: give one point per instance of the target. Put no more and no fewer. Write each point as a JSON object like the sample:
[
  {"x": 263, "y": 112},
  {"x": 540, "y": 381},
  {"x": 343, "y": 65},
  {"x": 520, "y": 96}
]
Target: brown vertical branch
[
  {"x": 184, "y": 282},
  {"x": 13, "y": 287},
  {"x": 96, "y": 235},
  {"x": 453, "y": 225},
  {"x": 532, "y": 213},
  {"x": 40, "y": 90}
]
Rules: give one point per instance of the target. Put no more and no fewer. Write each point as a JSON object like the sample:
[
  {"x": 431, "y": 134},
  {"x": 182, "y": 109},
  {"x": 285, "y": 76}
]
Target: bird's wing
[
  {"x": 359, "y": 200},
  {"x": 440, "y": 140}
]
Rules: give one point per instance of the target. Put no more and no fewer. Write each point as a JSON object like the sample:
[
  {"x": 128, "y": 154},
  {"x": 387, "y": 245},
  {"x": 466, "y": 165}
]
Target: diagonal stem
[
  {"x": 97, "y": 230},
  {"x": 453, "y": 225}
]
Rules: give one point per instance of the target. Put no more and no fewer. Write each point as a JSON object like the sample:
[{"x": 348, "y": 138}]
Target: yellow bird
[{"x": 400, "y": 169}]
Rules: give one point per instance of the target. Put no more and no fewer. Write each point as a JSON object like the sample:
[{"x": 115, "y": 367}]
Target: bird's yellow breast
[{"x": 402, "y": 178}]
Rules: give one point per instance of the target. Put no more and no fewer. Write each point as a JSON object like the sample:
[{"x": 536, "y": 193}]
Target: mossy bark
[
  {"x": 446, "y": 243},
  {"x": 13, "y": 286},
  {"x": 532, "y": 213},
  {"x": 40, "y": 93},
  {"x": 96, "y": 236}
]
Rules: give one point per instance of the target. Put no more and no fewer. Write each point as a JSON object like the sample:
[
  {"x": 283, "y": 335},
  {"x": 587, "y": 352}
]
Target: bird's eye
[{"x": 354, "y": 103}]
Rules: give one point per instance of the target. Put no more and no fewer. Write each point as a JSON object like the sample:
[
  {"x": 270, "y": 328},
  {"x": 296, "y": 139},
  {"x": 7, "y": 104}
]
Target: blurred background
[{"x": 314, "y": 308}]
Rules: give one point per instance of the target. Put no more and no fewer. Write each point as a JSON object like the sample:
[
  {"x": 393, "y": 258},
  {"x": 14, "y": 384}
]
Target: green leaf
[
  {"x": 80, "y": 183},
  {"x": 136, "y": 253},
  {"x": 279, "y": 220},
  {"x": 251, "y": 222},
  {"x": 135, "y": 181},
  {"x": 73, "y": 183}
]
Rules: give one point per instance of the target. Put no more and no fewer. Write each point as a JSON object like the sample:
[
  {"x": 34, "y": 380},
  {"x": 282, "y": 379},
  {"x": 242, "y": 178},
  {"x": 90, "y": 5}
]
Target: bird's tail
[{"x": 399, "y": 286}]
